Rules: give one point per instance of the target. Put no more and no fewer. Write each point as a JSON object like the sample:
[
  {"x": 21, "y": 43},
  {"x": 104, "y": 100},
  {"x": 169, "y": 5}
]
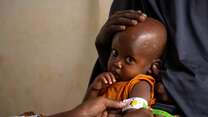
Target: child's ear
[
  {"x": 154, "y": 69},
  {"x": 156, "y": 66},
  {"x": 148, "y": 69}
]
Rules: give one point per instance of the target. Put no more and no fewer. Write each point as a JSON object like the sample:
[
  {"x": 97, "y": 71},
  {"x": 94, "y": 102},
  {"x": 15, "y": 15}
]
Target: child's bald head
[
  {"x": 149, "y": 37},
  {"x": 136, "y": 48}
]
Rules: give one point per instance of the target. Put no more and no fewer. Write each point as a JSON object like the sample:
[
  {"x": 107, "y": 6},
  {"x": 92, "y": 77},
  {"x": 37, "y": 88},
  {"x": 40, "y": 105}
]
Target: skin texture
[
  {"x": 139, "y": 44},
  {"x": 91, "y": 108},
  {"x": 133, "y": 51},
  {"x": 97, "y": 106},
  {"x": 117, "y": 22}
]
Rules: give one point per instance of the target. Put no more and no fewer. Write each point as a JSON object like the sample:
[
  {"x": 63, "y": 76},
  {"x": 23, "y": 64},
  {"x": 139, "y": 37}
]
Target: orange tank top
[{"x": 121, "y": 90}]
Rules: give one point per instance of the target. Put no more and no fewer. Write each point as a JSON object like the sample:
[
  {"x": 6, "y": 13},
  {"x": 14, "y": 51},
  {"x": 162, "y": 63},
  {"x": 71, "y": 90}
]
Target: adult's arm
[{"x": 91, "y": 108}]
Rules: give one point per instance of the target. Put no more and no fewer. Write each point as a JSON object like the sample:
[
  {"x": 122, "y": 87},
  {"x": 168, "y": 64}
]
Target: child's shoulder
[{"x": 142, "y": 77}]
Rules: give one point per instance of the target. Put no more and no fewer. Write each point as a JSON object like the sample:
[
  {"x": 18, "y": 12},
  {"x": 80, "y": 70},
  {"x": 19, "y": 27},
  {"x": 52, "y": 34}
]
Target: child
[{"x": 133, "y": 51}]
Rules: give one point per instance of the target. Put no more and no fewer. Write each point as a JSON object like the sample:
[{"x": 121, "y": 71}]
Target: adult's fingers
[
  {"x": 114, "y": 104},
  {"x": 127, "y": 13},
  {"x": 142, "y": 17},
  {"x": 124, "y": 11},
  {"x": 115, "y": 28},
  {"x": 105, "y": 114},
  {"x": 130, "y": 14},
  {"x": 118, "y": 22},
  {"x": 122, "y": 21}
]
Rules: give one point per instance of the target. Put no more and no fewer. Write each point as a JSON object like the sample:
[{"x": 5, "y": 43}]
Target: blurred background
[{"x": 47, "y": 53}]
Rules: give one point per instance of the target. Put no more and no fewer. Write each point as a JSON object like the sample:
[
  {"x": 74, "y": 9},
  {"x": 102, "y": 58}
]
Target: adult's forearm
[
  {"x": 64, "y": 114},
  {"x": 91, "y": 94},
  {"x": 72, "y": 113}
]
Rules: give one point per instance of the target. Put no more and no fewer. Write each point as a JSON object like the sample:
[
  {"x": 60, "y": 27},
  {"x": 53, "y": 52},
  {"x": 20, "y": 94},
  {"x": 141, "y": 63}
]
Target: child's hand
[{"x": 103, "y": 80}]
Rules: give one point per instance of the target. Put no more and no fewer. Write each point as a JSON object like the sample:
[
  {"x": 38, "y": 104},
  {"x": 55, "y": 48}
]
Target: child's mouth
[{"x": 117, "y": 76}]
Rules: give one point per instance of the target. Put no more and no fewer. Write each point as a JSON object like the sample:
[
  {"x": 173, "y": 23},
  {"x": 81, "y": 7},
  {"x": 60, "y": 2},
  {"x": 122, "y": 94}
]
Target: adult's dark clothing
[{"x": 186, "y": 60}]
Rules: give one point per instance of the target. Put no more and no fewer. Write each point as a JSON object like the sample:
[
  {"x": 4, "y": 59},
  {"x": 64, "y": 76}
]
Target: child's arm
[
  {"x": 141, "y": 90},
  {"x": 101, "y": 82}
]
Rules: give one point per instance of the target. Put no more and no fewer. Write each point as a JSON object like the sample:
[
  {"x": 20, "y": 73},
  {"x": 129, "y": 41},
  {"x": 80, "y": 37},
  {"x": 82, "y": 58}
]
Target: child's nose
[{"x": 118, "y": 64}]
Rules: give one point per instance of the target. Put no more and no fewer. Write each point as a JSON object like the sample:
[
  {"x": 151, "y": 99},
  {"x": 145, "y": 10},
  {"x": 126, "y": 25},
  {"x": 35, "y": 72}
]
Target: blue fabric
[
  {"x": 186, "y": 61},
  {"x": 172, "y": 109}
]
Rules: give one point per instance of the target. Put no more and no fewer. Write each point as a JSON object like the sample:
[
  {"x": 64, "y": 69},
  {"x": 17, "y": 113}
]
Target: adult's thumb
[{"x": 115, "y": 104}]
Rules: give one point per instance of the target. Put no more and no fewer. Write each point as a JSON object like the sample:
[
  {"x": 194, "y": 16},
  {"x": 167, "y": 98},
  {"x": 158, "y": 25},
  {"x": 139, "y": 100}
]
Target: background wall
[{"x": 47, "y": 53}]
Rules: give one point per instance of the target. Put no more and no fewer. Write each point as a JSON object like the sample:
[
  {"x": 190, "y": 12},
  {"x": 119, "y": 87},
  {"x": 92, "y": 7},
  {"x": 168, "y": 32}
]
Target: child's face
[{"x": 128, "y": 57}]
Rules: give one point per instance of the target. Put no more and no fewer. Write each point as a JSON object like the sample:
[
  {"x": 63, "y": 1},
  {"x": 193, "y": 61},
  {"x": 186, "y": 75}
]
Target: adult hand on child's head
[
  {"x": 118, "y": 22},
  {"x": 120, "y": 19}
]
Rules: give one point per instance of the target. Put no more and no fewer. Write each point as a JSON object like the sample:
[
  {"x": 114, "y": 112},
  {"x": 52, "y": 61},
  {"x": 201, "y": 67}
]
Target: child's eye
[
  {"x": 129, "y": 60},
  {"x": 114, "y": 53}
]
